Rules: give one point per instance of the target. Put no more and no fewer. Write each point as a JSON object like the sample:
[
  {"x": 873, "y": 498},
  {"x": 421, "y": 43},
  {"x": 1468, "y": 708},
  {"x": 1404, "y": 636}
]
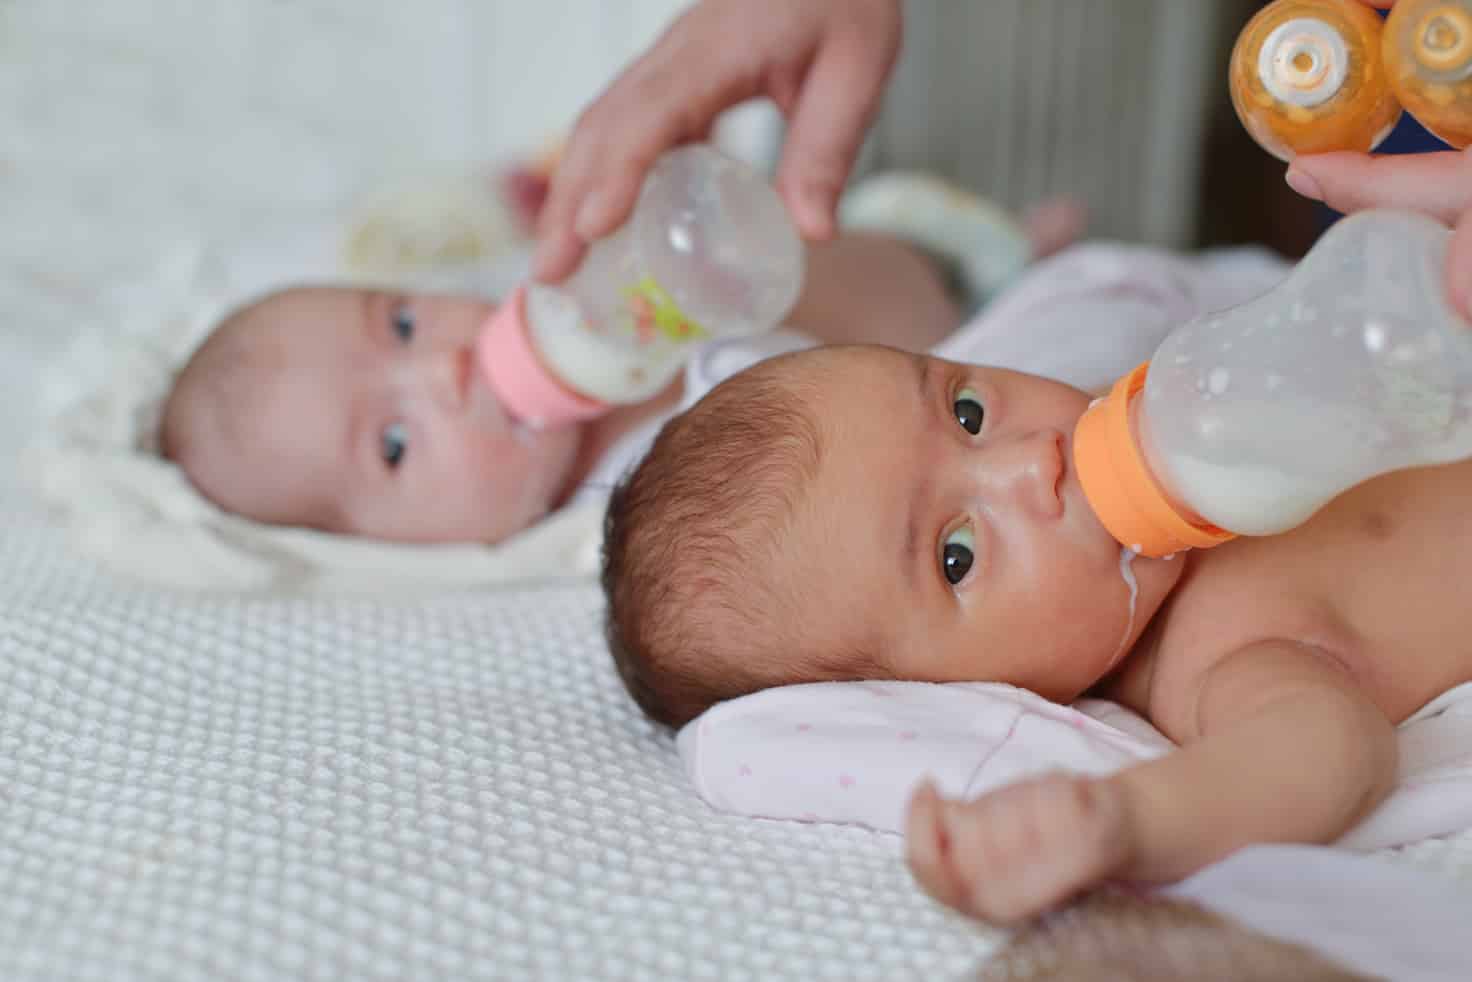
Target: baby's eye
[
  {"x": 969, "y": 413},
  {"x": 393, "y": 444},
  {"x": 403, "y": 322},
  {"x": 957, "y": 554}
]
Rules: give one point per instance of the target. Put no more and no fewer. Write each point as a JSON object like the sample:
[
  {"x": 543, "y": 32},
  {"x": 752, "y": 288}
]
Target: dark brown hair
[{"x": 698, "y": 608}]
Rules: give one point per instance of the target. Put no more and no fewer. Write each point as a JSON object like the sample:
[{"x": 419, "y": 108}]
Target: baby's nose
[
  {"x": 1025, "y": 471},
  {"x": 449, "y": 376}
]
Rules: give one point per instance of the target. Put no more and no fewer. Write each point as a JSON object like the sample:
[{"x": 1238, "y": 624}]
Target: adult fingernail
[
  {"x": 590, "y": 218},
  {"x": 818, "y": 200},
  {"x": 1303, "y": 183}
]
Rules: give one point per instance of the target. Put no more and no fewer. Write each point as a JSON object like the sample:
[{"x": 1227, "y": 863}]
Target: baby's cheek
[
  {"x": 1086, "y": 600},
  {"x": 504, "y": 478}
]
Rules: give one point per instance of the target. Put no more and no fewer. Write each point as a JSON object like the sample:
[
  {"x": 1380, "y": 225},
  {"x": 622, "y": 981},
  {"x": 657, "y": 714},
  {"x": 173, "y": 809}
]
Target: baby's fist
[{"x": 1020, "y": 851}]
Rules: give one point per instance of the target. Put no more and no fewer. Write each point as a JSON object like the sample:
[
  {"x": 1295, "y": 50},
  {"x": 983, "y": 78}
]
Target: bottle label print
[{"x": 654, "y": 313}]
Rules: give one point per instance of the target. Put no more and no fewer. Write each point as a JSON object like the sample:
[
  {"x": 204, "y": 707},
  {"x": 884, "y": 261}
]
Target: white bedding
[
  {"x": 196, "y": 787},
  {"x": 270, "y": 786},
  {"x": 295, "y": 786}
]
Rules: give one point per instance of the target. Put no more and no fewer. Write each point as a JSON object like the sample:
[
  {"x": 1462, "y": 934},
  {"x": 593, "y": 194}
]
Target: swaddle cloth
[{"x": 854, "y": 752}]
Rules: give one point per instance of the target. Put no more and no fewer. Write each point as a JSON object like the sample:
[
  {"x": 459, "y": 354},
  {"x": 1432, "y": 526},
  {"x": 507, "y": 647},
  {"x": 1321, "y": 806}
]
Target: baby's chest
[{"x": 1382, "y": 579}]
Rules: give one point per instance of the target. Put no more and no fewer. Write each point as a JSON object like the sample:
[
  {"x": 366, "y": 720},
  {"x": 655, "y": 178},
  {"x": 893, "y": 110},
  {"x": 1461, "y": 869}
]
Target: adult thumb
[{"x": 1438, "y": 184}]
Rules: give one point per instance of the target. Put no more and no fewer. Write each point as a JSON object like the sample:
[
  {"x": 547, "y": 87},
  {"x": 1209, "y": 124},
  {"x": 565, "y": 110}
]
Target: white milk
[
  {"x": 1247, "y": 500},
  {"x": 1264, "y": 468},
  {"x": 1127, "y": 572},
  {"x": 606, "y": 368}
]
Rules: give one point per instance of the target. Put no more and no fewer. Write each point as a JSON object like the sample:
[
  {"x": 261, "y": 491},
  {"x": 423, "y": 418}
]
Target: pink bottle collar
[{"x": 517, "y": 375}]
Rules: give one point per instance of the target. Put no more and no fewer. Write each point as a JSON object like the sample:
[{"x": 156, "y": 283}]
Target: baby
[
  {"x": 360, "y": 412},
  {"x": 865, "y": 513}
]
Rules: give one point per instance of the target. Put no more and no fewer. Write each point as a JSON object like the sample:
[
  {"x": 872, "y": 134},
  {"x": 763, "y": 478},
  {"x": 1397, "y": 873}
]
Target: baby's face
[
  {"x": 372, "y": 419},
  {"x": 947, "y": 529}
]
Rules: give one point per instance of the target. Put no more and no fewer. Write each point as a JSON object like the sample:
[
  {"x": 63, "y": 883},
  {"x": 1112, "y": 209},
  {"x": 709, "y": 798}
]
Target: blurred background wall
[
  {"x": 130, "y": 122},
  {"x": 162, "y": 116}
]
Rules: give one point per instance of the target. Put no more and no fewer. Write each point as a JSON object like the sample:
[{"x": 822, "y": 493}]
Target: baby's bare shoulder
[
  {"x": 1234, "y": 599},
  {"x": 1375, "y": 583}
]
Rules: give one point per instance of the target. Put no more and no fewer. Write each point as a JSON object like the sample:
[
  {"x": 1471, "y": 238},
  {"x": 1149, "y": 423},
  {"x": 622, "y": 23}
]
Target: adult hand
[
  {"x": 823, "y": 62},
  {"x": 1439, "y": 184}
]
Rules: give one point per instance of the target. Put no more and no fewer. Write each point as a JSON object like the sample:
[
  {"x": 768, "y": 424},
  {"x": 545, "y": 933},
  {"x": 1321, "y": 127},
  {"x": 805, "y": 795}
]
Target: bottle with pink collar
[{"x": 708, "y": 252}]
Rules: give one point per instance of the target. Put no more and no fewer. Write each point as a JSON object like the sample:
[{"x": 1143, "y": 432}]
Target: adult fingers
[
  {"x": 655, "y": 104},
  {"x": 1438, "y": 184},
  {"x": 837, "y": 100},
  {"x": 1459, "y": 266}
]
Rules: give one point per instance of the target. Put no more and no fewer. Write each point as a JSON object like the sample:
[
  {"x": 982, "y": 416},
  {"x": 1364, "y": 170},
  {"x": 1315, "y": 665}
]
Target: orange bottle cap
[
  {"x": 509, "y": 362},
  {"x": 1125, "y": 496}
]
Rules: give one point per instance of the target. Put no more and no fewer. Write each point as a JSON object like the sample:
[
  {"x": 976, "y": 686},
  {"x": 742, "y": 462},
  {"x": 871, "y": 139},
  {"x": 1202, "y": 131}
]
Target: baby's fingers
[
  {"x": 927, "y": 848},
  {"x": 1033, "y": 845}
]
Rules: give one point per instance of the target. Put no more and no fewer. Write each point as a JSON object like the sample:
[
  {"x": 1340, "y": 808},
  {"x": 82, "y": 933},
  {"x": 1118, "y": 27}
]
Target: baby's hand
[{"x": 1019, "y": 851}]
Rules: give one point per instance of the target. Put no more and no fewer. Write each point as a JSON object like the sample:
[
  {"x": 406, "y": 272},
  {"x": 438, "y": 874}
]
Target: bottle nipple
[
  {"x": 1125, "y": 496},
  {"x": 1427, "y": 53},
  {"x": 1306, "y": 77}
]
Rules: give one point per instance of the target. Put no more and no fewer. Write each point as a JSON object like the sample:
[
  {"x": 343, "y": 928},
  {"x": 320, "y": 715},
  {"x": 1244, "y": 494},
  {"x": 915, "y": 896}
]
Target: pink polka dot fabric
[{"x": 853, "y": 752}]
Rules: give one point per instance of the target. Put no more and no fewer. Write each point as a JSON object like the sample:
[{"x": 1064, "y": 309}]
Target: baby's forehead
[
  {"x": 820, "y": 372},
  {"x": 301, "y": 311},
  {"x": 299, "y": 333},
  {"x": 281, "y": 351}
]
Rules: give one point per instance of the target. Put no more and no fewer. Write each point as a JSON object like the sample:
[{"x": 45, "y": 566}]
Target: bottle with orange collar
[
  {"x": 1248, "y": 421},
  {"x": 1314, "y": 76},
  {"x": 708, "y": 252}
]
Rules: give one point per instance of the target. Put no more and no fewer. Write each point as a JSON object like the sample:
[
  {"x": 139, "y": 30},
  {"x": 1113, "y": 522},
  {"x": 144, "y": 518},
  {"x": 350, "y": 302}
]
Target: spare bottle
[
  {"x": 1427, "y": 51},
  {"x": 1313, "y": 76},
  {"x": 709, "y": 251},
  {"x": 1249, "y": 420},
  {"x": 1306, "y": 76}
]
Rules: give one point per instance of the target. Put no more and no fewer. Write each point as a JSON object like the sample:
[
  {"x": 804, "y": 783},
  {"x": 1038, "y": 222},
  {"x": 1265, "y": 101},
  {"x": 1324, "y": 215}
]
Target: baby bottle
[
  {"x": 1307, "y": 76},
  {"x": 1247, "y": 421},
  {"x": 1312, "y": 76},
  {"x": 1427, "y": 51},
  {"x": 709, "y": 251}
]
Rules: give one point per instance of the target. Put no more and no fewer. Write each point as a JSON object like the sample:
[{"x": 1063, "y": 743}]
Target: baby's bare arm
[{"x": 1280, "y": 746}]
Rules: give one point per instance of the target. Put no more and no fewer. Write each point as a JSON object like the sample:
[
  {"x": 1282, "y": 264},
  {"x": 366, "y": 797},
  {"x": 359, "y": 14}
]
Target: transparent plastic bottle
[
  {"x": 1427, "y": 52},
  {"x": 1306, "y": 76},
  {"x": 1248, "y": 421},
  {"x": 1312, "y": 76},
  {"x": 708, "y": 252}
]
